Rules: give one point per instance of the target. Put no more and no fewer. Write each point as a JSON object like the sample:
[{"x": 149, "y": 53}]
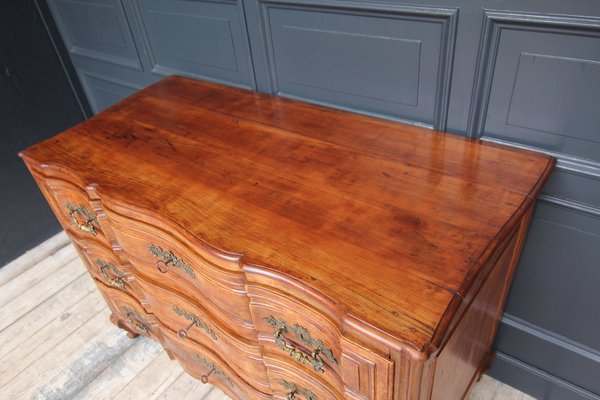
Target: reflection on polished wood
[{"x": 387, "y": 249}]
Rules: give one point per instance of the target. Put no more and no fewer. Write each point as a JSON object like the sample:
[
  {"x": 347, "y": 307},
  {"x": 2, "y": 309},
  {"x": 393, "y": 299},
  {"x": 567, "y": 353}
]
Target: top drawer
[{"x": 163, "y": 259}]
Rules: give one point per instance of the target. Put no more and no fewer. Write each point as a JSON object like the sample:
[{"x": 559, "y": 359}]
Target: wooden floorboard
[
  {"x": 52, "y": 335},
  {"x": 15, "y": 288},
  {"x": 112, "y": 380},
  {"x": 55, "y": 280},
  {"x": 56, "y": 341},
  {"x": 33, "y": 257},
  {"x": 184, "y": 387},
  {"x": 153, "y": 380},
  {"x": 57, "y": 307}
]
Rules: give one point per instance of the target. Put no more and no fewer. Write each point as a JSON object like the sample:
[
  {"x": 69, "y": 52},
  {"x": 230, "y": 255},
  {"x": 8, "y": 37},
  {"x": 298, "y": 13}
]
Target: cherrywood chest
[{"x": 283, "y": 250}]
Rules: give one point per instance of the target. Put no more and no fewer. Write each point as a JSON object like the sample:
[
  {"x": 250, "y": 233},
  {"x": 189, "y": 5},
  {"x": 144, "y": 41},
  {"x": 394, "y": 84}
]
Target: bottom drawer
[{"x": 205, "y": 365}]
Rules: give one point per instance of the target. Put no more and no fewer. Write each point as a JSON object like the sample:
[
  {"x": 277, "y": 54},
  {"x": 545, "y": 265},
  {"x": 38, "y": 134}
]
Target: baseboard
[
  {"x": 544, "y": 364},
  {"x": 536, "y": 382}
]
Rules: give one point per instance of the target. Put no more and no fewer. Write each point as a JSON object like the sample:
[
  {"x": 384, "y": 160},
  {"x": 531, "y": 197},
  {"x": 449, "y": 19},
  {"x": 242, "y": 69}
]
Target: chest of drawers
[{"x": 281, "y": 250}]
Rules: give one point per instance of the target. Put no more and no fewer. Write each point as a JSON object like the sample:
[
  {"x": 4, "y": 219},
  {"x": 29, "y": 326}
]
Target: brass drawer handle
[
  {"x": 183, "y": 333},
  {"x": 136, "y": 321},
  {"x": 294, "y": 391},
  {"x": 118, "y": 281},
  {"x": 90, "y": 219},
  {"x": 213, "y": 369},
  {"x": 167, "y": 258},
  {"x": 314, "y": 358}
]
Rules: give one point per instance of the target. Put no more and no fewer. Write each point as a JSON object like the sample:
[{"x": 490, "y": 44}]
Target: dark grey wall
[
  {"x": 37, "y": 100},
  {"x": 525, "y": 73}
]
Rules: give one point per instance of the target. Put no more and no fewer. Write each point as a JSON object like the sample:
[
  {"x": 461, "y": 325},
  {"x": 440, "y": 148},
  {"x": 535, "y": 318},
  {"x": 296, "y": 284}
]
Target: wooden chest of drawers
[{"x": 283, "y": 250}]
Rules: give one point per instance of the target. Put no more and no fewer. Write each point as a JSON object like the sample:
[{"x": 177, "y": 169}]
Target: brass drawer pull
[
  {"x": 90, "y": 219},
  {"x": 167, "y": 258},
  {"x": 294, "y": 391},
  {"x": 213, "y": 369},
  {"x": 313, "y": 358},
  {"x": 118, "y": 281},
  {"x": 183, "y": 333},
  {"x": 135, "y": 320}
]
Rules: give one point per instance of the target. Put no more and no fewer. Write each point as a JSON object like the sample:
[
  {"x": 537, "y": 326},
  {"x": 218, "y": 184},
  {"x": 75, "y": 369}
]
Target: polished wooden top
[{"x": 390, "y": 221}]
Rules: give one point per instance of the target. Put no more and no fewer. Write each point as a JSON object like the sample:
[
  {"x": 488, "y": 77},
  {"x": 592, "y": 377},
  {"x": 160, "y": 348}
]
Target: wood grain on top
[{"x": 391, "y": 221}]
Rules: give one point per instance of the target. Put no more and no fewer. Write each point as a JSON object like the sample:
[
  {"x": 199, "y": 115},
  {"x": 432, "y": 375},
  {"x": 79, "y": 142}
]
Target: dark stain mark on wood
[{"x": 171, "y": 145}]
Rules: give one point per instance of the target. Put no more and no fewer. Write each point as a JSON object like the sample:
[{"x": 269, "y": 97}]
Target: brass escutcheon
[
  {"x": 167, "y": 258},
  {"x": 195, "y": 321},
  {"x": 213, "y": 368}
]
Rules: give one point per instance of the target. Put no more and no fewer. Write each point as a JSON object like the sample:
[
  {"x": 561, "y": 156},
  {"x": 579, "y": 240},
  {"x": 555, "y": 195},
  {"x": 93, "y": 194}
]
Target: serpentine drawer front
[{"x": 281, "y": 250}]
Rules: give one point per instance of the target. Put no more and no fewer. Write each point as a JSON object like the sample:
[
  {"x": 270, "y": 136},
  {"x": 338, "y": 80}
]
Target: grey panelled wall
[
  {"x": 525, "y": 73},
  {"x": 538, "y": 86}
]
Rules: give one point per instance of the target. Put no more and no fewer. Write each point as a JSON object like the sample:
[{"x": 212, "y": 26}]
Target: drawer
[
  {"x": 195, "y": 325},
  {"x": 204, "y": 364},
  {"x": 367, "y": 375},
  {"x": 77, "y": 213},
  {"x": 298, "y": 333},
  {"x": 128, "y": 311},
  {"x": 104, "y": 265},
  {"x": 290, "y": 382},
  {"x": 166, "y": 260}
]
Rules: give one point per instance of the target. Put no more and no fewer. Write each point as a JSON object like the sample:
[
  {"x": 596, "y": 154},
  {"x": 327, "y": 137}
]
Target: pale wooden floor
[{"x": 56, "y": 341}]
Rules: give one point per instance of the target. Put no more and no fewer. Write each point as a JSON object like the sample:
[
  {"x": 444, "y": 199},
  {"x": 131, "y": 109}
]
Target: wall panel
[
  {"x": 540, "y": 80},
  {"x": 389, "y": 60},
  {"x": 205, "y": 39},
  {"x": 550, "y": 352},
  {"x": 104, "y": 92},
  {"x": 97, "y": 29},
  {"x": 557, "y": 289}
]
